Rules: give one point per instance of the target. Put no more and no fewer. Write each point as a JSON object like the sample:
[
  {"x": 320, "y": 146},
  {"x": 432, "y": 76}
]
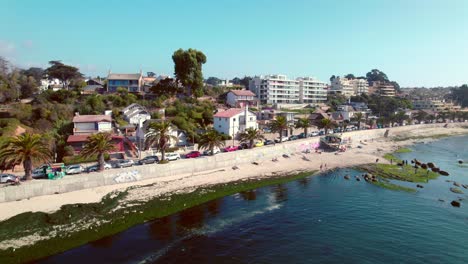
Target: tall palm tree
[
  {"x": 250, "y": 135},
  {"x": 210, "y": 140},
  {"x": 158, "y": 135},
  {"x": 303, "y": 123},
  {"x": 98, "y": 144},
  {"x": 326, "y": 124},
  {"x": 26, "y": 148},
  {"x": 279, "y": 125},
  {"x": 358, "y": 117}
]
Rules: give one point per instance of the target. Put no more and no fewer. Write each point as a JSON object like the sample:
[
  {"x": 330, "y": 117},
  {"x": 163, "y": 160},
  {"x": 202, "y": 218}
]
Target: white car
[
  {"x": 107, "y": 166},
  {"x": 282, "y": 139},
  {"x": 208, "y": 152},
  {"x": 74, "y": 169},
  {"x": 172, "y": 156}
]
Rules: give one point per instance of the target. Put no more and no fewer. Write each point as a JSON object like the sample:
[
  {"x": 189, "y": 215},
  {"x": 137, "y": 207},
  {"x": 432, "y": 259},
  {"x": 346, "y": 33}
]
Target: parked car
[
  {"x": 259, "y": 144},
  {"x": 268, "y": 142},
  {"x": 74, "y": 169},
  {"x": 149, "y": 160},
  {"x": 314, "y": 133},
  {"x": 293, "y": 137},
  {"x": 193, "y": 154},
  {"x": 123, "y": 163},
  {"x": 243, "y": 146},
  {"x": 39, "y": 172},
  {"x": 96, "y": 167},
  {"x": 281, "y": 139},
  {"x": 231, "y": 148},
  {"x": 7, "y": 178},
  {"x": 172, "y": 156},
  {"x": 208, "y": 152}
]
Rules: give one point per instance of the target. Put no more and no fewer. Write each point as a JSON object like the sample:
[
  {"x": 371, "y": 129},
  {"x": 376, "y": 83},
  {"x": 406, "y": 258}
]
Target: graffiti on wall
[{"x": 127, "y": 176}]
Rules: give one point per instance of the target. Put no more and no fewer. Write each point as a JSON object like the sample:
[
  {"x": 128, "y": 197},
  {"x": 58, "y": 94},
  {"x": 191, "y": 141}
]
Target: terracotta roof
[
  {"x": 91, "y": 118},
  {"x": 84, "y": 138},
  {"x": 242, "y": 92},
  {"x": 229, "y": 113}
]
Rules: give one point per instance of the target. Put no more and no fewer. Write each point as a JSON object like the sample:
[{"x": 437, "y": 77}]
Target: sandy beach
[{"x": 359, "y": 153}]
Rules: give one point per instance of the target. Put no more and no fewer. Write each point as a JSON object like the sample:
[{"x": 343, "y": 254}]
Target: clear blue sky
[{"x": 415, "y": 42}]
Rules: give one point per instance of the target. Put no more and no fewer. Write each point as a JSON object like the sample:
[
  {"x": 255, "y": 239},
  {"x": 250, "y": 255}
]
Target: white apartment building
[
  {"x": 434, "y": 105},
  {"x": 234, "y": 120},
  {"x": 349, "y": 87},
  {"x": 312, "y": 91},
  {"x": 279, "y": 89}
]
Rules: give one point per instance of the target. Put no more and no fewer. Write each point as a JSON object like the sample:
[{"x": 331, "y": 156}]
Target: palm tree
[
  {"x": 279, "y": 125},
  {"x": 358, "y": 117},
  {"x": 158, "y": 134},
  {"x": 420, "y": 116},
  {"x": 250, "y": 135},
  {"x": 326, "y": 124},
  {"x": 303, "y": 123},
  {"x": 26, "y": 148},
  {"x": 211, "y": 139},
  {"x": 98, "y": 144}
]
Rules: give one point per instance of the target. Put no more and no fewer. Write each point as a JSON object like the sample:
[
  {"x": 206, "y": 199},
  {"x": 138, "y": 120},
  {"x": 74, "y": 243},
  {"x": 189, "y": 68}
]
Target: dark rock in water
[
  {"x": 448, "y": 181},
  {"x": 431, "y": 165},
  {"x": 358, "y": 179},
  {"x": 346, "y": 177},
  {"x": 374, "y": 179},
  {"x": 465, "y": 186},
  {"x": 457, "y": 184},
  {"x": 424, "y": 166},
  {"x": 456, "y": 190},
  {"x": 419, "y": 186},
  {"x": 418, "y": 162},
  {"x": 460, "y": 162},
  {"x": 435, "y": 169},
  {"x": 444, "y": 173},
  {"x": 441, "y": 200},
  {"x": 412, "y": 161},
  {"x": 455, "y": 203}
]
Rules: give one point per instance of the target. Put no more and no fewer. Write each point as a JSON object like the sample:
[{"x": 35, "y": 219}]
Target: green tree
[
  {"x": 98, "y": 144},
  {"x": 210, "y": 140},
  {"x": 168, "y": 87},
  {"x": 27, "y": 149},
  {"x": 250, "y": 135},
  {"x": 64, "y": 73},
  {"x": 377, "y": 76},
  {"x": 303, "y": 123},
  {"x": 350, "y": 76},
  {"x": 400, "y": 117},
  {"x": 158, "y": 135},
  {"x": 358, "y": 117},
  {"x": 279, "y": 125},
  {"x": 188, "y": 70},
  {"x": 460, "y": 95},
  {"x": 327, "y": 124},
  {"x": 420, "y": 116}
]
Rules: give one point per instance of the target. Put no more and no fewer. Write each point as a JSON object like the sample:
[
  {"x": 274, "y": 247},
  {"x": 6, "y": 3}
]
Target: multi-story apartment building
[
  {"x": 382, "y": 89},
  {"x": 349, "y": 87},
  {"x": 279, "y": 89},
  {"x": 434, "y": 105},
  {"x": 312, "y": 91},
  {"x": 132, "y": 82}
]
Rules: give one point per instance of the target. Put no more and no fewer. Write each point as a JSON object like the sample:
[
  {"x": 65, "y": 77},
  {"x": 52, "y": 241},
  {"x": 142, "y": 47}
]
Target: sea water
[{"x": 319, "y": 219}]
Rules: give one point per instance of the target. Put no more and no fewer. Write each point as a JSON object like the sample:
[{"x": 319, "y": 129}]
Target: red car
[
  {"x": 231, "y": 148},
  {"x": 193, "y": 154}
]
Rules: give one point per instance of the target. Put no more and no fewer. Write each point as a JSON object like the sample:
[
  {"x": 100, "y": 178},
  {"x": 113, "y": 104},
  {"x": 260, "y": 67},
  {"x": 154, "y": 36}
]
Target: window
[
  {"x": 234, "y": 119},
  {"x": 251, "y": 118}
]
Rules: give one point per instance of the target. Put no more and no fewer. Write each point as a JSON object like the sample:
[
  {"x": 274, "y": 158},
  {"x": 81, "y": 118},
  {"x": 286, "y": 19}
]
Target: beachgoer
[
  {"x": 321, "y": 166},
  {"x": 376, "y": 160}
]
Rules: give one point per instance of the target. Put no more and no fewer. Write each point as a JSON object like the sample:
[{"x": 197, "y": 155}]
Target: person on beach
[{"x": 321, "y": 166}]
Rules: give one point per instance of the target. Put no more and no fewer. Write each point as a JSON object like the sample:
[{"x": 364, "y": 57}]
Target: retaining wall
[{"x": 184, "y": 166}]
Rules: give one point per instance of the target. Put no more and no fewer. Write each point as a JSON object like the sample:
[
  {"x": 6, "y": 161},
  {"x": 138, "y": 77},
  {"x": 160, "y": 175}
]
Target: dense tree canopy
[
  {"x": 64, "y": 73},
  {"x": 167, "y": 87},
  {"x": 460, "y": 95},
  {"x": 188, "y": 70}
]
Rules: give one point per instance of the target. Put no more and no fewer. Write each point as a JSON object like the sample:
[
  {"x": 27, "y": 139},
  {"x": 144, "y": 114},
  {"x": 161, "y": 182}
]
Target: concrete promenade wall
[{"x": 184, "y": 166}]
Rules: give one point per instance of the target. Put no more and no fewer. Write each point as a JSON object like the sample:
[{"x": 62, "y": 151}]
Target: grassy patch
[
  {"x": 402, "y": 173},
  {"x": 394, "y": 187},
  {"x": 391, "y": 157},
  {"x": 404, "y": 150},
  {"x": 108, "y": 217}
]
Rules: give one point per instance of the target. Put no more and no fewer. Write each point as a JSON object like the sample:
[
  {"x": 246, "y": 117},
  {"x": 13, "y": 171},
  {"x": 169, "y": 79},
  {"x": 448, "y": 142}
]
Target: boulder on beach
[
  {"x": 431, "y": 165},
  {"x": 435, "y": 169},
  {"x": 455, "y": 203},
  {"x": 424, "y": 166}
]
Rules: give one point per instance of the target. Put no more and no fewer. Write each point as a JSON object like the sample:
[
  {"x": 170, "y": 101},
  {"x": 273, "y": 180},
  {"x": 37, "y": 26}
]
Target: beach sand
[{"x": 368, "y": 152}]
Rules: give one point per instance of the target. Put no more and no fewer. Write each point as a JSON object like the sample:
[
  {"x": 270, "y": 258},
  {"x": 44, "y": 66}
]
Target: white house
[
  {"x": 90, "y": 124},
  {"x": 234, "y": 120},
  {"x": 241, "y": 98},
  {"x": 134, "y": 113}
]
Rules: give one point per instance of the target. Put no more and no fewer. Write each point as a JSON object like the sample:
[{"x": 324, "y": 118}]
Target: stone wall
[{"x": 184, "y": 166}]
